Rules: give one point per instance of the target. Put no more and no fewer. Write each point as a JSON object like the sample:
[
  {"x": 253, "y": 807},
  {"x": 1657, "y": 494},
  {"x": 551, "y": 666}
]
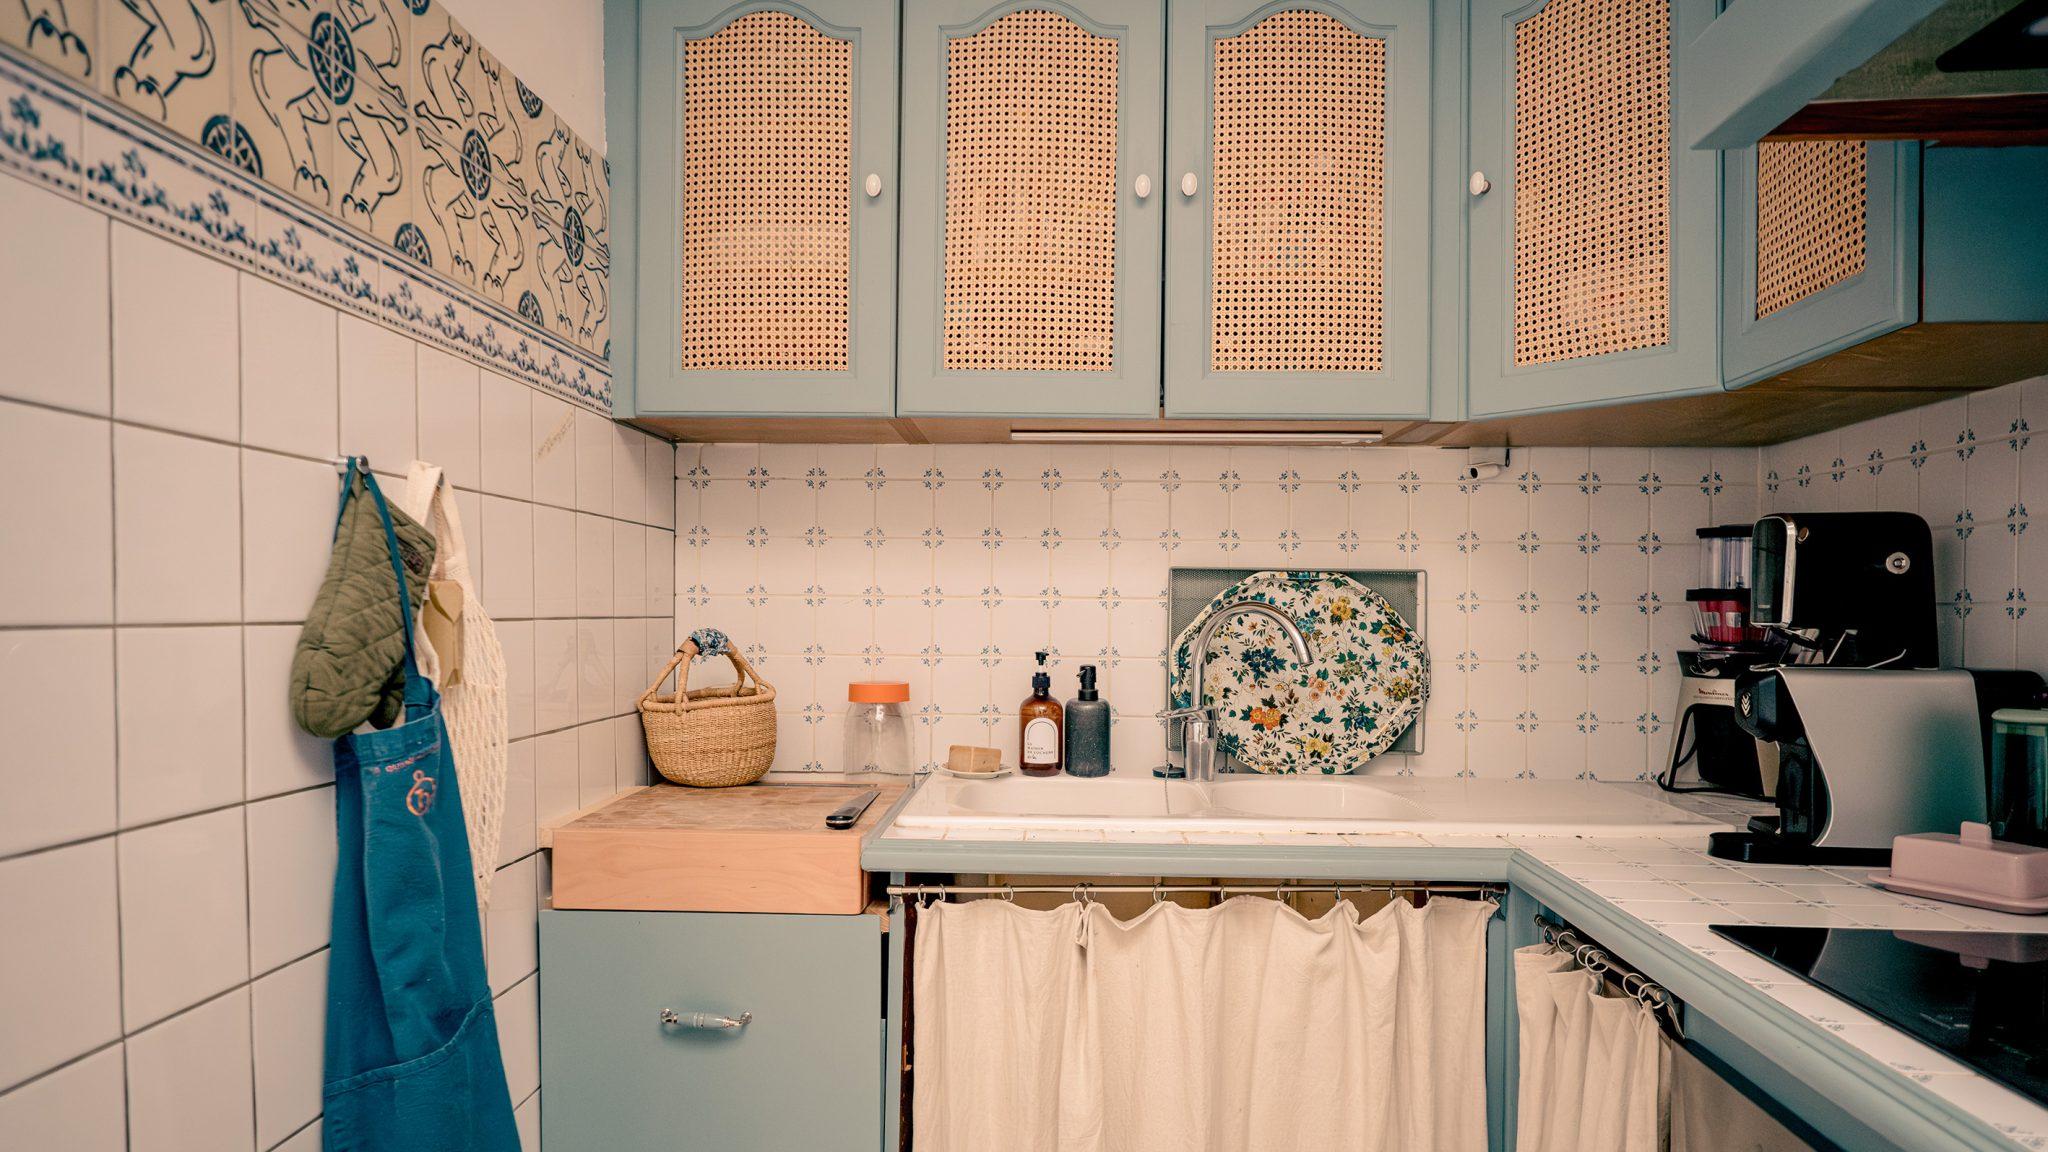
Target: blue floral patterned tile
[
  {"x": 155, "y": 183},
  {"x": 41, "y": 129},
  {"x": 316, "y": 255}
]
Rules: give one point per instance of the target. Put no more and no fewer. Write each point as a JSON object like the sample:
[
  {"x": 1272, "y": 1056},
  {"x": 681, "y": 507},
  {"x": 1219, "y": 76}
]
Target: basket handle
[{"x": 687, "y": 653}]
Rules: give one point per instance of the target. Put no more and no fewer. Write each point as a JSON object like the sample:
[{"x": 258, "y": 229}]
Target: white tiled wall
[
  {"x": 166, "y": 836},
  {"x": 1556, "y": 591},
  {"x": 1971, "y": 467}
]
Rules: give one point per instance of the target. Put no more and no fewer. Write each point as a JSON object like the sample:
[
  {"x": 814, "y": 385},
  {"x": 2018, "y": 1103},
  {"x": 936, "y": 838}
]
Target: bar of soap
[{"x": 968, "y": 758}]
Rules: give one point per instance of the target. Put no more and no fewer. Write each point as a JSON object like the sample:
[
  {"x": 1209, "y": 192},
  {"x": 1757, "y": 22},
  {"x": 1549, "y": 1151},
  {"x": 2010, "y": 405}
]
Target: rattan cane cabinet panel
[
  {"x": 1030, "y": 255},
  {"x": 1297, "y": 238},
  {"x": 1812, "y": 200},
  {"x": 766, "y": 187},
  {"x": 1592, "y": 162}
]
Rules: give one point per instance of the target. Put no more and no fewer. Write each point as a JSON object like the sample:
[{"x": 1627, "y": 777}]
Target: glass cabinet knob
[
  {"x": 1479, "y": 184},
  {"x": 1188, "y": 184},
  {"x": 873, "y": 184},
  {"x": 1142, "y": 186}
]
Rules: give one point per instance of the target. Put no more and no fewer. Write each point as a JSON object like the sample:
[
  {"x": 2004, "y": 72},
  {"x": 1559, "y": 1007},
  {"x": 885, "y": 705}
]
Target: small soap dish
[
  {"x": 1969, "y": 868},
  {"x": 997, "y": 774}
]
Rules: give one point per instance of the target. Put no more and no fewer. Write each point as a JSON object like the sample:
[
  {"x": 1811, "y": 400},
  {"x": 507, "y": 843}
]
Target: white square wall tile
[
  {"x": 288, "y": 509},
  {"x": 596, "y": 769},
  {"x": 527, "y": 1117},
  {"x": 78, "y": 1109},
  {"x": 594, "y": 564},
  {"x": 184, "y": 914},
  {"x": 516, "y": 638},
  {"x": 507, "y": 536},
  {"x": 176, "y": 356},
  {"x": 57, "y": 724},
  {"x": 514, "y": 941},
  {"x": 507, "y": 437},
  {"x": 190, "y": 1081},
  {"x": 554, "y": 561},
  {"x": 555, "y": 778},
  {"x": 379, "y": 394},
  {"x": 594, "y": 436},
  {"x": 180, "y": 720},
  {"x": 291, "y": 876},
  {"x": 450, "y": 416},
  {"x": 660, "y": 474},
  {"x": 554, "y": 674},
  {"x": 53, "y": 300},
  {"x": 60, "y": 981},
  {"x": 55, "y": 490},
  {"x": 517, "y": 837},
  {"x": 280, "y": 756},
  {"x": 289, "y": 1024},
  {"x": 518, "y": 1014},
  {"x": 595, "y": 661},
  {"x": 629, "y": 473},
  {"x": 177, "y": 529},
  {"x": 290, "y": 389},
  {"x": 629, "y": 569},
  {"x": 554, "y": 451}
]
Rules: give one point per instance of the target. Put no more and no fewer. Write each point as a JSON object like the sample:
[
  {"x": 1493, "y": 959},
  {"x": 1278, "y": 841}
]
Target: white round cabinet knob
[
  {"x": 873, "y": 184},
  {"x": 1188, "y": 184},
  {"x": 1479, "y": 184},
  {"x": 1142, "y": 186}
]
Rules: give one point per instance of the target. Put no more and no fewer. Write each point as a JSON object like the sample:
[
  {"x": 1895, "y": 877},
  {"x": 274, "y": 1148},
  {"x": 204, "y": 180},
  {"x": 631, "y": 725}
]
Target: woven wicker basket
[{"x": 713, "y": 737}]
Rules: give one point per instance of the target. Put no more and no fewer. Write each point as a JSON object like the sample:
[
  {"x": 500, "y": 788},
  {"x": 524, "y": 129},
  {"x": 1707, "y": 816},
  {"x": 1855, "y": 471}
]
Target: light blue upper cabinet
[
  {"x": 1298, "y": 209},
  {"x": 1594, "y": 238},
  {"x": 1823, "y": 251},
  {"x": 1032, "y": 193},
  {"x": 767, "y": 208}
]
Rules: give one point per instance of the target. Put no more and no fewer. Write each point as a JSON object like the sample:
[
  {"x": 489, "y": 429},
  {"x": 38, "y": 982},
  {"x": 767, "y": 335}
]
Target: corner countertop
[{"x": 1649, "y": 900}]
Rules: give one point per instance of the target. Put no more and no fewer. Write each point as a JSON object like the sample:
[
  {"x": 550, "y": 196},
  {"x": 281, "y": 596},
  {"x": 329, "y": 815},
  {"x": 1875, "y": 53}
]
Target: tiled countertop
[{"x": 1648, "y": 900}]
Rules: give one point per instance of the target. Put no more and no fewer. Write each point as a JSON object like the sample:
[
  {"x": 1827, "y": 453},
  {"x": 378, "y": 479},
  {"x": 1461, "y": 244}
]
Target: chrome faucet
[{"x": 1196, "y": 759}]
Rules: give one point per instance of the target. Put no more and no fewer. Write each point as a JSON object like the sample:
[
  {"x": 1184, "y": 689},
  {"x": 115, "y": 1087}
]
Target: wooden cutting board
[{"x": 756, "y": 848}]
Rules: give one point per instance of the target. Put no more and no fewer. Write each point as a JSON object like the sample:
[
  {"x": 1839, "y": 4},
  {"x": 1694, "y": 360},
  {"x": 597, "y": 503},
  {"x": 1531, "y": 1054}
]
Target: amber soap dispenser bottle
[{"x": 1044, "y": 723}]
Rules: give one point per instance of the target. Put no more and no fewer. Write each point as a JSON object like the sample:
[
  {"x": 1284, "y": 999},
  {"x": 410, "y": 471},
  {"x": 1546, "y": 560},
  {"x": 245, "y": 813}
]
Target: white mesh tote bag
[{"x": 474, "y": 705}]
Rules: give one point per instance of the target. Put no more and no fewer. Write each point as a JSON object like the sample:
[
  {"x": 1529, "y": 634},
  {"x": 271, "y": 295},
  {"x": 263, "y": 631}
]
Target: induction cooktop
[{"x": 1981, "y": 997}]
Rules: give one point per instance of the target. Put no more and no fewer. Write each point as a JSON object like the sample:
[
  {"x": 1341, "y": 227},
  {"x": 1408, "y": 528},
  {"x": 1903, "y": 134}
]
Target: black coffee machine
[{"x": 1873, "y": 739}]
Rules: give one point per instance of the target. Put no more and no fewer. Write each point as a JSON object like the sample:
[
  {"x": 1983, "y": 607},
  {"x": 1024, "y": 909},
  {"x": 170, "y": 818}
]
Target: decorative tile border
[{"x": 83, "y": 143}]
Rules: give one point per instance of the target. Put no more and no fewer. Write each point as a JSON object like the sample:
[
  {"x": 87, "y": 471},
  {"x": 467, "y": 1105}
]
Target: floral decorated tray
[{"x": 1365, "y": 686}]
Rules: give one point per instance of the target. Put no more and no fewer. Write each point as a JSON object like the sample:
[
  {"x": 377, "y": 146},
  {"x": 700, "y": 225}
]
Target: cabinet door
[
  {"x": 1823, "y": 251},
  {"x": 1031, "y": 201},
  {"x": 1297, "y": 216},
  {"x": 804, "y": 1073},
  {"x": 1595, "y": 252},
  {"x": 767, "y": 207}
]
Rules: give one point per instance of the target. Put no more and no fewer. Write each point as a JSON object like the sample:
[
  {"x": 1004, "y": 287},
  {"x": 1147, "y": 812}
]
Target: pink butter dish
[{"x": 1969, "y": 868}]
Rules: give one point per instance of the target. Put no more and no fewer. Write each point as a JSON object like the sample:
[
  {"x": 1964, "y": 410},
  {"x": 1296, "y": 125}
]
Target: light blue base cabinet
[{"x": 804, "y": 1073}]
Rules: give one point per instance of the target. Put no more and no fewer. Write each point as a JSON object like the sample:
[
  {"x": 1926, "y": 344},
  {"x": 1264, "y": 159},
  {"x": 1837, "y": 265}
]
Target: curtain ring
[
  {"x": 1157, "y": 895},
  {"x": 1009, "y": 894}
]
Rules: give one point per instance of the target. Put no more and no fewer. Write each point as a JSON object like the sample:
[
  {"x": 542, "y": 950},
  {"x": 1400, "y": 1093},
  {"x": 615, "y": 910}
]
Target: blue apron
[{"x": 412, "y": 1045}]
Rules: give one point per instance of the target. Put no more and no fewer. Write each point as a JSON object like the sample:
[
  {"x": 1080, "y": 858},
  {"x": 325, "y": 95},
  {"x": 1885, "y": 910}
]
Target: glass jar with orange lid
[{"x": 878, "y": 728}]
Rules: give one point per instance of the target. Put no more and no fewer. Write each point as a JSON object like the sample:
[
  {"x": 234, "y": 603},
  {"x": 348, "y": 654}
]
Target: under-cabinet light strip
[{"x": 1137, "y": 436}]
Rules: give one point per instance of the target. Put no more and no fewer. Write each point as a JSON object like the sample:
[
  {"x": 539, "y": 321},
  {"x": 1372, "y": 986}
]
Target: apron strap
[{"x": 414, "y": 693}]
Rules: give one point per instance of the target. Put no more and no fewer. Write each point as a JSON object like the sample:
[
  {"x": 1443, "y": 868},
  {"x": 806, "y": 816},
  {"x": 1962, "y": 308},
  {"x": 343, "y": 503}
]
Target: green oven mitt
[{"x": 347, "y": 666}]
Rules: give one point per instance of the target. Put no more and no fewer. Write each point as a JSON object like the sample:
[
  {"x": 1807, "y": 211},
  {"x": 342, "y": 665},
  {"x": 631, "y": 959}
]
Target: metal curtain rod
[
  {"x": 1083, "y": 892},
  {"x": 1596, "y": 960}
]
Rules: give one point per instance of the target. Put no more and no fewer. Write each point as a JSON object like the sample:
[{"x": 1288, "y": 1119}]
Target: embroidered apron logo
[{"x": 420, "y": 799}]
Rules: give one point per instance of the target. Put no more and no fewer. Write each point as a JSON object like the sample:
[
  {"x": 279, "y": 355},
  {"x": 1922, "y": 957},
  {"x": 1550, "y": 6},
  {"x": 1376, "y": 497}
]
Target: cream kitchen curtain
[
  {"x": 1593, "y": 1070},
  {"x": 1240, "y": 1027}
]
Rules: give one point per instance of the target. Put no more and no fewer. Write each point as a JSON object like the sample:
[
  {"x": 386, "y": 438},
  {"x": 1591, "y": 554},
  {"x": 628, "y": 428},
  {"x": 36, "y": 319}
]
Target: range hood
[{"x": 1957, "y": 72}]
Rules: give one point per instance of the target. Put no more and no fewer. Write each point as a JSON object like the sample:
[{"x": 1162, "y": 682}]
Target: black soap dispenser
[{"x": 1088, "y": 729}]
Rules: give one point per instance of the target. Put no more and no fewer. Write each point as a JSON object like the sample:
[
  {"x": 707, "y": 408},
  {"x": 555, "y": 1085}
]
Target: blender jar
[
  {"x": 1724, "y": 556},
  {"x": 878, "y": 728}
]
